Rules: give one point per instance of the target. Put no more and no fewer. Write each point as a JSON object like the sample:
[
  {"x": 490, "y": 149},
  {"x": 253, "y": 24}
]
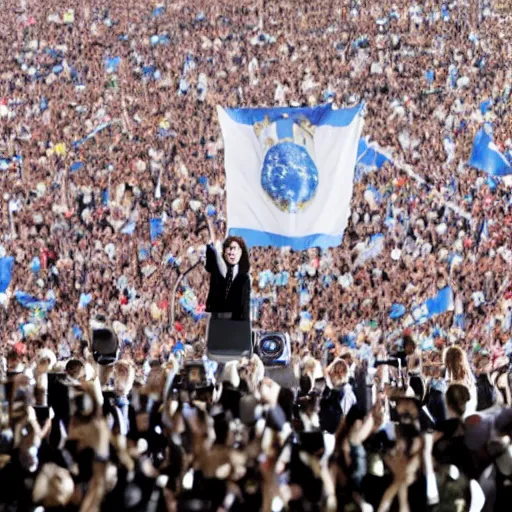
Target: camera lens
[{"x": 271, "y": 346}]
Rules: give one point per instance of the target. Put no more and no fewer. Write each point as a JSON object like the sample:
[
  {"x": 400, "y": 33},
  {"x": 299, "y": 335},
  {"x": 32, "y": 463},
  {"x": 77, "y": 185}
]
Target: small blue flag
[
  {"x": 111, "y": 64},
  {"x": 35, "y": 265},
  {"x": 76, "y": 166},
  {"x": 397, "y": 311},
  {"x": 85, "y": 300},
  {"x": 484, "y": 232},
  {"x": 129, "y": 228},
  {"x": 370, "y": 154},
  {"x": 158, "y": 11},
  {"x": 155, "y": 228},
  {"x": 485, "y": 106},
  {"x": 487, "y": 157},
  {"x": 31, "y": 302},
  {"x": 77, "y": 332},
  {"x": 6, "y": 266},
  {"x": 143, "y": 254}
]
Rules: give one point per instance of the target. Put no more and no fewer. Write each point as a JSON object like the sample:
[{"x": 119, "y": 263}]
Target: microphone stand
[{"x": 172, "y": 301}]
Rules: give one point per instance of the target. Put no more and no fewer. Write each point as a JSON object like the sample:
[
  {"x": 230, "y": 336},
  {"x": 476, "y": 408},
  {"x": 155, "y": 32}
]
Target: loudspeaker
[
  {"x": 273, "y": 348},
  {"x": 228, "y": 339}
]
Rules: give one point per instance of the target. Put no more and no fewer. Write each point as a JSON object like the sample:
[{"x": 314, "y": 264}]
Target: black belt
[{"x": 222, "y": 316}]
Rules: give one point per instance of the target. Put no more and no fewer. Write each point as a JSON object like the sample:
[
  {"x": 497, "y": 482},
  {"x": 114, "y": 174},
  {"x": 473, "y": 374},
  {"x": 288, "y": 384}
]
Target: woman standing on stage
[{"x": 230, "y": 285}]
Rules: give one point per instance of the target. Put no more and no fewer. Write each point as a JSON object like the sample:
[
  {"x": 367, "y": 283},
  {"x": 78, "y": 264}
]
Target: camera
[
  {"x": 194, "y": 376},
  {"x": 273, "y": 348}
]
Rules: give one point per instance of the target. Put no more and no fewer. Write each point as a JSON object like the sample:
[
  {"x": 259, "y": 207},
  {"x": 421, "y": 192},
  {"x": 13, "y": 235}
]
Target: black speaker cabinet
[{"x": 228, "y": 339}]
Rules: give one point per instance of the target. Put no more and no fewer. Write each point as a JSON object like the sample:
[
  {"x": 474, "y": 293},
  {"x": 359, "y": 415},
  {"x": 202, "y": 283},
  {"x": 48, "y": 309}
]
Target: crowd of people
[{"x": 111, "y": 158}]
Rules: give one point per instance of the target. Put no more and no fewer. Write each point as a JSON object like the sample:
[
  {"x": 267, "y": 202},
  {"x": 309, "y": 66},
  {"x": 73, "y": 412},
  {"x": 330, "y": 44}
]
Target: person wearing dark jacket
[{"x": 230, "y": 285}]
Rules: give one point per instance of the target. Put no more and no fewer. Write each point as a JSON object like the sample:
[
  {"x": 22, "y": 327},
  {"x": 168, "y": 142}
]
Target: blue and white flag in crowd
[
  {"x": 487, "y": 157},
  {"x": 129, "y": 228},
  {"x": 485, "y": 106},
  {"x": 111, "y": 64},
  {"x": 372, "y": 249},
  {"x": 370, "y": 154},
  {"x": 437, "y": 305},
  {"x": 10, "y": 163},
  {"x": 290, "y": 173},
  {"x": 85, "y": 300},
  {"x": 31, "y": 302},
  {"x": 483, "y": 232},
  {"x": 90, "y": 135}
]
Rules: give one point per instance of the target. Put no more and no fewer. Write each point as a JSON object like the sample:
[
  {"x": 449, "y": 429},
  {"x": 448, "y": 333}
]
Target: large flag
[
  {"x": 487, "y": 157},
  {"x": 290, "y": 173}
]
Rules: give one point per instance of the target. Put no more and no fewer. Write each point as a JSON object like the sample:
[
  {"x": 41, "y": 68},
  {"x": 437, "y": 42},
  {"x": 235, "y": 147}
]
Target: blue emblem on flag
[{"x": 289, "y": 176}]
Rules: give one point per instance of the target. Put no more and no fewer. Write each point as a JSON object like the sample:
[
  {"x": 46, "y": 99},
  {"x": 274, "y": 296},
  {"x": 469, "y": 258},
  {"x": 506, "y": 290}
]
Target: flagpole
[{"x": 172, "y": 312}]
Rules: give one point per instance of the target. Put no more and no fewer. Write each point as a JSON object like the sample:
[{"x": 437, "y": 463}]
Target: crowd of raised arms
[{"x": 108, "y": 121}]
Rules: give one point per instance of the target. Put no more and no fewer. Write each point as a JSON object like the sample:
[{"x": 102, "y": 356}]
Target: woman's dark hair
[
  {"x": 457, "y": 396},
  {"x": 243, "y": 265},
  {"x": 409, "y": 341}
]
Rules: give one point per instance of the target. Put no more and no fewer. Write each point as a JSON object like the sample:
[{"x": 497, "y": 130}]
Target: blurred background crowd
[{"x": 110, "y": 158}]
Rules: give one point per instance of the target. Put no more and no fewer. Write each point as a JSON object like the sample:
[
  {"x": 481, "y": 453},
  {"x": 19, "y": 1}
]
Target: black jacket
[{"x": 239, "y": 297}]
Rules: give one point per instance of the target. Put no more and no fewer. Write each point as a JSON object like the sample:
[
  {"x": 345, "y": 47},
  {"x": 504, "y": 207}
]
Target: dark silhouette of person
[{"x": 230, "y": 286}]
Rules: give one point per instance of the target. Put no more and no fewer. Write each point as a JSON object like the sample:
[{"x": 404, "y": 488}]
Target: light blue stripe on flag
[
  {"x": 255, "y": 238},
  {"x": 111, "y": 64},
  {"x": 323, "y": 115}
]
